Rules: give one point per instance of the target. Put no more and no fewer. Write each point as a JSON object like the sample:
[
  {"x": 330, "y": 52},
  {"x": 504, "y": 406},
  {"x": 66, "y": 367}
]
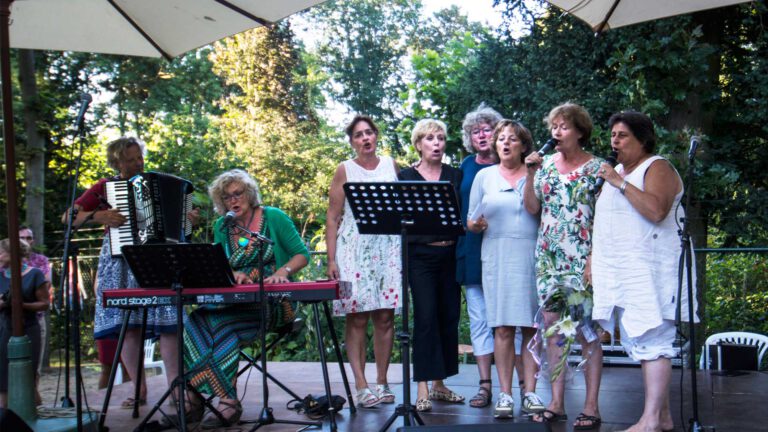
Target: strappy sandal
[
  {"x": 594, "y": 422},
  {"x": 548, "y": 416},
  {"x": 130, "y": 402},
  {"x": 192, "y": 415},
  {"x": 483, "y": 397},
  {"x": 217, "y": 419},
  {"x": 446, "y": 395},
  {"x": 385, "y": 394},
  {"x": 366, "y": 398}
]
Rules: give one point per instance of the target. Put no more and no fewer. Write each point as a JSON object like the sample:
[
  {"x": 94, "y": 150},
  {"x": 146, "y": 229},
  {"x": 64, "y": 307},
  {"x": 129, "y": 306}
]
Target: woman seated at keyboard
[{"x": 214, "y": 334}]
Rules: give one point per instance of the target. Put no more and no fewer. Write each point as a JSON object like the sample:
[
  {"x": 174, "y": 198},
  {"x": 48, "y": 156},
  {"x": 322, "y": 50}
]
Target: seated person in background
[{"x": 227, "y": 328}]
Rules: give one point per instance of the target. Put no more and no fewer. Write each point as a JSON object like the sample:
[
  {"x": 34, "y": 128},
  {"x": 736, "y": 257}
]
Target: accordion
[{"x": 155, "y": 206}]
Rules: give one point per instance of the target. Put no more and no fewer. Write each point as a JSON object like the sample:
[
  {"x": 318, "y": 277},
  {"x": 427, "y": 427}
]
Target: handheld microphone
[
  {"x": 85, "y": 101},
  {"x": 545, "y": 149},
  {"x": 694, "y": 146},
  {"x": 611, "y": 160}
]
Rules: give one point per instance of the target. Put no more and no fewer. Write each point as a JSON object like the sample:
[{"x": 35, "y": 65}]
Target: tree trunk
[{"x": 34, "y": 161}]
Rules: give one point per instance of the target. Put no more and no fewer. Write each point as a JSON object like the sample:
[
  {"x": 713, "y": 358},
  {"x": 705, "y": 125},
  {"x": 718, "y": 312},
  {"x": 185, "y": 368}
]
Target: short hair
[
  {"x": 24, "y": 248},
  {"x": 640, "y": 125},
  {"x": 116, "y": 149},
  {"x": 522, "y": 133},
  {"x": 577, "y": 115},
  {"x": 423, "y": 127},
  {"x": 224, "y": 180},
  {"x": 357, "y": 119},
  {"x": 25, "y": 227},
  {"x": 482, "y": 114}
]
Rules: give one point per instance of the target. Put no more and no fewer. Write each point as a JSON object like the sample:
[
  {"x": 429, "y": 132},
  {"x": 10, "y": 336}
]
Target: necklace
[
  {"x": 7, "y": 272},
  {"x": 243, "y": 241}
]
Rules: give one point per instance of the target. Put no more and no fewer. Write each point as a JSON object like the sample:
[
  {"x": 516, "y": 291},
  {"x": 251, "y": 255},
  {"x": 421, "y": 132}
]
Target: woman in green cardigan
[{"x": 214, "y": 334}]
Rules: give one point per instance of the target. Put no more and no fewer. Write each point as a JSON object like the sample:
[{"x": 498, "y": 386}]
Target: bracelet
[{"x": 623, "y": 187}]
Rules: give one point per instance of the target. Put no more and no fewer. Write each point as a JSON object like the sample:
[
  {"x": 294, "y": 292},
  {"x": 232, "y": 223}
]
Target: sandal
[
  {"x": 192, "y": 415},
  {"x": 548, "y": 416},
  {"x": 446, "y": 395},
  {"x": 594, "y": 422},
  {"x": 130, "y": 402},
  {"x": 385, "y": 394},
  {"x": 217, "y": 419},
  {"x": 483, "y": 397},
  {"x": 423, "y": 405},
  {"x": 367, "y": 399}
]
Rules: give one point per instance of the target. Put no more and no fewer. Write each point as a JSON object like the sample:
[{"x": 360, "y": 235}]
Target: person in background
[
  {"x": 634, "y": 265},
  {"x": 477, "y": 137},
  {"x": 558, "y": 188},
  {"x": 35, "y": 298},
  {"x": 497, "y": 212},
  {"x": 371, "y": 263},
  {"x": 431, "y": 269}
]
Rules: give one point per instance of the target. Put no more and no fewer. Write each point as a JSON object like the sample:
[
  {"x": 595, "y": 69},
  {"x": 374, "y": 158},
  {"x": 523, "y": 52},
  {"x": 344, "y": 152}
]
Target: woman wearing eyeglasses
[
  {"x": 477, "y": 129},
  {"x": 370, "y": 263},
  {"x": 214, "y": 334}
]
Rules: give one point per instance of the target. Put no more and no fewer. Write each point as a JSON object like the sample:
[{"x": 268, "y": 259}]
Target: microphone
[
  {"x": 229, "y": 218},
  {"x": 85, "y": 101},
  {"x": 611, "y": 160},
  {"x": 694, "y": 146},
  {"x": 545, "y": 149}
]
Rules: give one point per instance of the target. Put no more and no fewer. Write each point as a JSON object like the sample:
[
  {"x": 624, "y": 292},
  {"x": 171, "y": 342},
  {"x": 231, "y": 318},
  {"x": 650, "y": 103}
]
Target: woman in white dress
[
  {"x": 635, "y": 258},
  {"x": 371, "y": 263},
  {"x": 507, "y": 254}
]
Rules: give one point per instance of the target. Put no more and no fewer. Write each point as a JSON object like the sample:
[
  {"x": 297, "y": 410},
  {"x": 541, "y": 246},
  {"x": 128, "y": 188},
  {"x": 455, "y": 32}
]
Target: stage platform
[{"x": 727, "y": 403}]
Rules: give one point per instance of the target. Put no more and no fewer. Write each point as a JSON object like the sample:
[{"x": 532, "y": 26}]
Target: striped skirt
[{"x": 213, "y": 337}]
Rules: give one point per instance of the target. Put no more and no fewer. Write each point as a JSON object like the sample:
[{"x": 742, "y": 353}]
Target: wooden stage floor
[{"x": 727, "y": 403}]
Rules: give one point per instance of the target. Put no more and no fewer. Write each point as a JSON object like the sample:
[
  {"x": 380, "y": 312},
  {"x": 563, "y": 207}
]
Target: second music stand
[{"x": 405, "y": 208}]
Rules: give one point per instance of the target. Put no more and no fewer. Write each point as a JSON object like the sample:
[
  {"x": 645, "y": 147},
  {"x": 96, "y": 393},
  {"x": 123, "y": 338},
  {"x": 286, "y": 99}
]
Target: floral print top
[{"x": 565, "y": 230}]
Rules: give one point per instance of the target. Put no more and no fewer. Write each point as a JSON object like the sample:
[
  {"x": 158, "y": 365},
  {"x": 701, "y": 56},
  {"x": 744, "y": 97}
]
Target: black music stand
[
  {"x": 405, "y": 208},
  {"x": 179, "y": 266}
]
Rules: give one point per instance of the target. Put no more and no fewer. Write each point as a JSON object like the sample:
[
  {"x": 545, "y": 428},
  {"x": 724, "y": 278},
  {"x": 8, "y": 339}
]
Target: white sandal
[
  {"x": 385, "y": 393},
  {"x": 366, "y": 398}
]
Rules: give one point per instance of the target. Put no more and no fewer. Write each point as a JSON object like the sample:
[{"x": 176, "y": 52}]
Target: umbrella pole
[{"x": 21, "y": 375}]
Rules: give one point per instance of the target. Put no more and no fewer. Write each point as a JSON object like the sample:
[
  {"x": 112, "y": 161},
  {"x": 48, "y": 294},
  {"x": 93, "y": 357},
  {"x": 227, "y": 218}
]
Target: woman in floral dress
[
  {"x": 371, "y": 263},
  {"x": 559, "y": 187}
]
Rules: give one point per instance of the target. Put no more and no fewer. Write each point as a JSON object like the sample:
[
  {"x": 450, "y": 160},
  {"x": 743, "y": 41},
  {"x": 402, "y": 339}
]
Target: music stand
[
  {"x": 179, "y": 266},
  {"x": 405, "y": 208}
]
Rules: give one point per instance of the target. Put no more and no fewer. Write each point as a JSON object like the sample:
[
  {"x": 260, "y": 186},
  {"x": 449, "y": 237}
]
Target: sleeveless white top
[{"x": 635, "y": 261}]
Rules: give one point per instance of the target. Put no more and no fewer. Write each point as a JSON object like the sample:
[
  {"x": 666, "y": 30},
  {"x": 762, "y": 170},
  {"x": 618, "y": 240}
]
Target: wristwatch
[{"x": 288, "y": 270}]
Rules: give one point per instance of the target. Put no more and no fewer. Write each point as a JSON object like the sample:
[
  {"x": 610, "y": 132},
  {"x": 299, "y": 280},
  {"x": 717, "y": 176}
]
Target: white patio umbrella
[
  {"x": 608, "y": 14},
  {"x": 148, "y": 28}
]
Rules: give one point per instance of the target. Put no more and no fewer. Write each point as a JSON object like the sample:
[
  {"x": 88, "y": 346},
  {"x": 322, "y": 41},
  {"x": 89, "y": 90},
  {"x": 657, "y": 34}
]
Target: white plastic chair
[
  {"x": 149, "y": 360},
  {"x": 742, "y": 338}
]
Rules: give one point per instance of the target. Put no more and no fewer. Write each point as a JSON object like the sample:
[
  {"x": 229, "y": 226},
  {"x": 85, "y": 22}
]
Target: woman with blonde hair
[{"x": 431, "y": 268}]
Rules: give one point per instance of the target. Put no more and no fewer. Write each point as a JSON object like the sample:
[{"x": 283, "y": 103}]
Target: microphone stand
[
  {"x": 266, "y": 417},
  {"x": 70, "y": 254},
  {"x": 686, "y": 269}
]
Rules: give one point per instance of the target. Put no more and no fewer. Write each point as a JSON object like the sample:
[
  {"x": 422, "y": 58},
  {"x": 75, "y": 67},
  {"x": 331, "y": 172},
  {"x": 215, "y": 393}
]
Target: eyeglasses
[
  {"x": 27, "y": 238},
  {"x": 484, "y": 130},
  {"x": 236, "y": 195}
]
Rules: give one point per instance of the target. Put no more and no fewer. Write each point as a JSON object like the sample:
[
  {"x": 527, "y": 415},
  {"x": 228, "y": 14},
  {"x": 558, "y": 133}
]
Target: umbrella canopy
[
  {"x": 147, "y": 28},
  {"x": 607, "y": 14}
]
